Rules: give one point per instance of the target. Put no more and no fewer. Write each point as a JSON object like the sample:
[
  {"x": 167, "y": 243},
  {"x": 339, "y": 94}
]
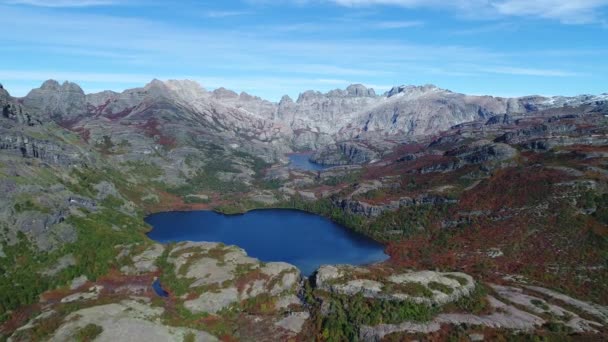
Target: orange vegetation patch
[
  {"x": 168, "y": 201},
  {"x": 249, "y": 278},
  {"x": 395, "y": 168},
  {"x": 84, "y": 133},
  {"x": 19, "y": 318},
  {"x": 512, "y": 188},
  {"x": 551, "y": 250},
  {"x": 56, "y": 295},
  {"x": 119, "y": 115},
  {"x": 151, "y": 129}
]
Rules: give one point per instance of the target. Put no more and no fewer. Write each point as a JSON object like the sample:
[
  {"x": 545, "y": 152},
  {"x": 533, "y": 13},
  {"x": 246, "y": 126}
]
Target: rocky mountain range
[{"x": 315, "y": 119}]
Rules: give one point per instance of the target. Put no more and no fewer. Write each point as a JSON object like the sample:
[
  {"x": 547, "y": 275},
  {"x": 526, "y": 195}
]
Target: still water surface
[
  {"x": 299, "y": 238},
  {"x": 301, "y": 161}
]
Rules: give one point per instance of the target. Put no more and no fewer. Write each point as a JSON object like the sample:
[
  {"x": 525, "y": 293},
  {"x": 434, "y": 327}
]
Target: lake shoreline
[{"x": 291, "y": 235}]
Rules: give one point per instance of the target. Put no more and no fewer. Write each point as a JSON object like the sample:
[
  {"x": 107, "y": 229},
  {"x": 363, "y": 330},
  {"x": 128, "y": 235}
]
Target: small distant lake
[
  {"x": 301, "y": 161},
  {"x": 299, "y": 238}
]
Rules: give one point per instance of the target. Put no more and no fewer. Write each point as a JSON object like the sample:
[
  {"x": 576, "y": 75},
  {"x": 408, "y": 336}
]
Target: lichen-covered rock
[
  {"x": 227, "y": 276},
  {"x": 504, "y": 317},
  {"x": 344, "y": 153},
  {"x": 125, "y": 321},
  {"x": 294, "y": 321},
  {"x": 145, "y": 262},
  {"x": 213, "y": 302},
  {"x": 539, "y": 306},
  {"x": 425, "y": 287}
]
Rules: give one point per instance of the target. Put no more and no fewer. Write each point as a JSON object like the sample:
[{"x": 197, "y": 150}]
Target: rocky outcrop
[
  {"x": 482, "y": 152},
  {"x": 344, "y": 153},
  {"x": 232, "y": 274},
  {"x": 539, "y": 306},
  {"x": 504, "y": 317},
  {"x": 423, "y": 287},
  {"x": 523, "y": 134},
  {"x": 516, "y": 311},
  {"x": 371, "y": 210},
  {"x": 64, "y": 102},
  {"x": 545, "y": 144},
  {"x": 47, "y": 151},
  {"x": 504, "y": 119},
  {"x": 128, "y": 320},
  {"x": 145, "y": 262}
]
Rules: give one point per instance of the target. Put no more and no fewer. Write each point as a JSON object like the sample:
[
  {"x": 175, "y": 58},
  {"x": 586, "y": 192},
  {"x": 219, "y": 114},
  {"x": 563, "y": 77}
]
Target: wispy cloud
[
  {"x": 530, "y": 71},
  {"x": 566, "y": 11},
  {"x": 398, "y": 24},
  {"x": 224, "y": 14},
  {"x": 250, "y": 54},
  {"x": 481, "y": 29},
  {"x": 63, "y": 3}
]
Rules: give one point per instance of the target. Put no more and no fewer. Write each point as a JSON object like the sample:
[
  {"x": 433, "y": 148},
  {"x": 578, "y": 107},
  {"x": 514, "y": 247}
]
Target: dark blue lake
[
  {"x": 301, "y": 161},
  {"x": 299, "y": 238}
]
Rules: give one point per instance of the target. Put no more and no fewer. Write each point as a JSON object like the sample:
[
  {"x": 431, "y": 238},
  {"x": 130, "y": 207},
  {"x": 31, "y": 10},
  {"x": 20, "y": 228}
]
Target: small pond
[
  {"x": 299, "y": 238},
  {"x": 301, "y": 161},
  {"x": 158, "y": 288}
]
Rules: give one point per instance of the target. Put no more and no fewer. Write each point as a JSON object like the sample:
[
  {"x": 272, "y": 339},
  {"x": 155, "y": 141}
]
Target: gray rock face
[
  {"x": 370, "y": 210},
  {"x": 13, "y": 110},
  {"x": 294, "y": 321},
  {"x": 125, "y": 321},
  {"x": 349, "y": 280},
  {"x": 344, "y": 153},
  {"x": 504, "y": 119},
  {"x": 64, "y": 102},
  {"x": 223, "y": 267},
  {"x": 505, "y": 317},
  {"x": 481, "y": 153},
  {"x": 213, "y": 302},
  {"x": 47, "y": 151},
  {"x": 539, "y": 306},
  {"x": 145, "y": 262},
  {"x": 359, "y": 90}
]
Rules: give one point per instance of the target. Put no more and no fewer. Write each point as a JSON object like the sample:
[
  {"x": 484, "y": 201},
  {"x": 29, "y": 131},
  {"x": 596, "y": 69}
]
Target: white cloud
[
  {"x": 259, "y": 60},
  {"x": 63, "y": 3},
  {"x": 566, "y": 11},
  {"x": 530, "y": 72}
]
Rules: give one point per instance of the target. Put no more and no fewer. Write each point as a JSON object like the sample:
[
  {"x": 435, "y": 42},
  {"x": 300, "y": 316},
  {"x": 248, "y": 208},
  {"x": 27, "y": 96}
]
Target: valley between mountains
[{"x": 493, "y": 211}]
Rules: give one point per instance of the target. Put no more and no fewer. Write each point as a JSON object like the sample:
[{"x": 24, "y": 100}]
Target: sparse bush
[{"x": 88, "y": 333}]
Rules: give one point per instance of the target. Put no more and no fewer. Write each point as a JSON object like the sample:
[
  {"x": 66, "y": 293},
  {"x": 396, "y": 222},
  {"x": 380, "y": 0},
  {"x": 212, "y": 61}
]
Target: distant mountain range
[{"x": 315, "y": 119}]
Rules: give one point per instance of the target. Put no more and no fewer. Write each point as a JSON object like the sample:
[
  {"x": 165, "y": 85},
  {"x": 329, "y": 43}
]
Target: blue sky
[{"x": 270, "y": 48}]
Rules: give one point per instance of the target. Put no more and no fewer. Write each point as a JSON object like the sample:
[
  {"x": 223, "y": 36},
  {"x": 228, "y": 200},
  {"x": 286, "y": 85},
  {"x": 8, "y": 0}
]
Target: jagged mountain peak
[
  {"x": 50, "y": 85},
  {"x": 353, "y": 90},
  {"x": 360, "y": 90},
  {"x": 66, "y": 86},
  {"x": 285, "y": 100},
  {"x": 414, "y": 90},
  {"x": 223, "y": 93},
  {"x": 188, "y": 90}
]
